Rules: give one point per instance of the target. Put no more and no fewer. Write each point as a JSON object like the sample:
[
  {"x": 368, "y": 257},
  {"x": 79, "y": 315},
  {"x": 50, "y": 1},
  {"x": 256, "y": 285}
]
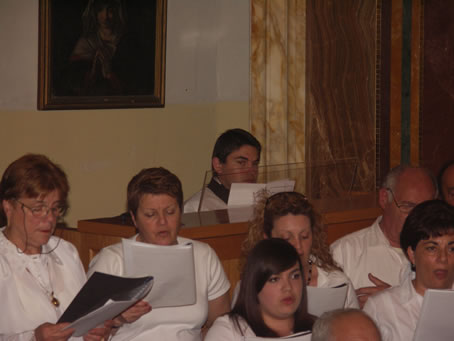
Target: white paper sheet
[
  {"x": 436, "y": 317},
  {"x": 303, "y": 336},
  {"x": 172, "y": 268},
  {"x": 320, "y": 300},
  {"x": 97, "y": 317},
  {"x": 243, "y": 194}
]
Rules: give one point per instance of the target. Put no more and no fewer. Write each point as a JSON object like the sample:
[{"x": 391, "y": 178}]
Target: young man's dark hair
[{"x": 232, "y": 140}]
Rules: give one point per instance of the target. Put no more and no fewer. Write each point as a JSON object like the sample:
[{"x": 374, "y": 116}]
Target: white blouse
[
  {"x": 396, "y": 311},
  {"x": 26, "y": 284}
]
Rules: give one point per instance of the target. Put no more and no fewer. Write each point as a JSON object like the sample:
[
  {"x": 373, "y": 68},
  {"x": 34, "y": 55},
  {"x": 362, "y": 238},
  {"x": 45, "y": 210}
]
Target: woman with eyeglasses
[
  {"x": 272, "y": 300},
  {"x": 290, "y": 216},
  {"x": 39, "y": 273}
]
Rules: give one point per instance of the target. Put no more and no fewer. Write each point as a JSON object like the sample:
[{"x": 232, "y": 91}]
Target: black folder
[{"x": 97, "y": 291}]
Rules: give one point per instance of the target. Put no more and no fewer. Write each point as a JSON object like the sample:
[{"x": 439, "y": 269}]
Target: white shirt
[
  {"x": 396, "y": 311},
  {"x": 210, "y": 202},
  {"x": 26, "y": 282},
  {"x": 368, "y": 251},
  {"x": 225, "y": 329},
  {"x": 174, "y": 323}
]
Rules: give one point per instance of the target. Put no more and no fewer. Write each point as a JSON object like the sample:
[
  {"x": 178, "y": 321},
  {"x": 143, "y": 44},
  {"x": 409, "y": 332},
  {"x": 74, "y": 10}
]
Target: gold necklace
[{"x": 54, "y": 300}]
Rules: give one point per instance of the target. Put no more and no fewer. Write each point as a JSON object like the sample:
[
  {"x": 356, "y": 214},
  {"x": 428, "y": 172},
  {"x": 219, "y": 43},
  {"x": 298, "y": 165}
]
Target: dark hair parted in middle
[
  {"x": 153, "y": 181},
  {"x": 433, "y": 218},
  {"x": 269, "y": 257}
]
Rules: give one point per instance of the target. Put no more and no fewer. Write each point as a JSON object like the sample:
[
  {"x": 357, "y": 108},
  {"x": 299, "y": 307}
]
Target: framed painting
[{"x": 97, "y": 54}]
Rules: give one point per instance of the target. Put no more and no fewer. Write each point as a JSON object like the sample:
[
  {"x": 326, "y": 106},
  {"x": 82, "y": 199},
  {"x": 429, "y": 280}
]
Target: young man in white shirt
[{"x": 235, "y": 159}]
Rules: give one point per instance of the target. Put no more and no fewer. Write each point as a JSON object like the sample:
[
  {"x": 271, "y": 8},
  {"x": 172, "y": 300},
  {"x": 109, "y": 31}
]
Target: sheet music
[
  {"x": 102, "y": 298},
  {"x": 172, "y": 268},
  {"x": 97, "y": 317},
  {"x": 302, "y": 336},
  {"x": 320, "y": 300},
  {"x": 435, "y": 320},
  {"x": 243, "y": 194}
]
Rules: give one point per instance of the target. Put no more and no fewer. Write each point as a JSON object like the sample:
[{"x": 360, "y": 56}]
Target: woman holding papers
[
  {"x": 155, "y": 199},
  {"x": 39, "y": 273},
  {"x": 272, "y": 298},
  {"x": 290, "y": 216},
  {"x": 427, "y": 239}
]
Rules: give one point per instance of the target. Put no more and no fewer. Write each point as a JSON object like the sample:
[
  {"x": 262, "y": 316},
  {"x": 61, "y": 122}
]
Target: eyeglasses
[
  {"x": 42, "y": 211},
  {"x": 404, "y": 207}
]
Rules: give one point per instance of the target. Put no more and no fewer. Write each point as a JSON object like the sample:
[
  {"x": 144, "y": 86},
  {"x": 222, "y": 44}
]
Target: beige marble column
[
  {"x": 277, "y": 79},
  {"x": 313, "y": 86}
]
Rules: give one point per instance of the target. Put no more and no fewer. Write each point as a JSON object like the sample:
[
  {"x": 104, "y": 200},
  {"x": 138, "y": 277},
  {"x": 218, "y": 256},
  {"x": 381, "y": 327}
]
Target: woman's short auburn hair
[
  {"x": 153, "y": 181},
  {"x": 33, "y": 176}
]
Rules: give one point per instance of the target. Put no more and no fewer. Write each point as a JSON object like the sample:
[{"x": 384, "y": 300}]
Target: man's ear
[
  {"x": 133, "y": 218},
  {"x": 7, "y": 208},
  {"x": 383, "y": 197},
  {"x": 217, "y": 165}
]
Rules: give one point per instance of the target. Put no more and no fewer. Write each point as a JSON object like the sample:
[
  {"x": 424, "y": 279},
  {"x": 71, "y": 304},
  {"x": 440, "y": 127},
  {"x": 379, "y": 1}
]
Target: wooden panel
[
  {"x": 225, "y": 238},
  {"x": 437, "y": 118},
  {"x": 341, "y": 85}
]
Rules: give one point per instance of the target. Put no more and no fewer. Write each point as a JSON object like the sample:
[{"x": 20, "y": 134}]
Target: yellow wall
[{"x": 102, "y": 149}]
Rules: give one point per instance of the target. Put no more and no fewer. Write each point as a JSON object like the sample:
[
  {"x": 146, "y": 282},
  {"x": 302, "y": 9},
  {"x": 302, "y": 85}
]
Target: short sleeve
[
  {"x": 336, "y": 251},
  {"x": 222, "y": 330},
  {"x": 218, "y": 283},
  {"x": 109, "y": 260}
]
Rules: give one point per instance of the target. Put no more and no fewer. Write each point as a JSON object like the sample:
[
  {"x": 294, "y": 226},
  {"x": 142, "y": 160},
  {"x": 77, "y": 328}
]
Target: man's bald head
[{"x": 345, "y": 325}]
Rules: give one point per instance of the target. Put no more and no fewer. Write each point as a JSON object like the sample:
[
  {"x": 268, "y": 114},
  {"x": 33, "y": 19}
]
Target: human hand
[
  {"x": 100, "y": 333},
  {"x": 364, "y": 293},
  {"x": 133, "y": 313},
  {"x": 53, "y": 332}
]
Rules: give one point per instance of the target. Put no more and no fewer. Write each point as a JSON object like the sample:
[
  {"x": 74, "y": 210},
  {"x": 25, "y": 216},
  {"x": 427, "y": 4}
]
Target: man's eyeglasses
[
  {"x": 42, "y": 211},
  {"x": 404, "y": 207}
]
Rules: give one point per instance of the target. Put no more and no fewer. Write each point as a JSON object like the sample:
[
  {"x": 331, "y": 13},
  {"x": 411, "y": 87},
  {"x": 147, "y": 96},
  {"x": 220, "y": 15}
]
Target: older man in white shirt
[{"x": 372, "y": 257}]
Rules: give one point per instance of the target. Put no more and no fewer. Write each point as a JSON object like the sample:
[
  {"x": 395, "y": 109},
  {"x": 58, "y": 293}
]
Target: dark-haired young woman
[{"x": 272, "y": 298}]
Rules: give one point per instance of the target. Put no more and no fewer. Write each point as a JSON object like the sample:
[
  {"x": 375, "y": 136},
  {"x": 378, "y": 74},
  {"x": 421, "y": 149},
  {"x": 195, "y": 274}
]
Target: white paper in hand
[
  {"x": 172, "y": 268},
  {"x": 320, "y": 300},
  {"x": 435, "y": 320}
]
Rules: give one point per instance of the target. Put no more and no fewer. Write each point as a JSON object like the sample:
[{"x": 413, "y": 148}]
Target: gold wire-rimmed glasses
[
  {"x": 404, "y": 207},
  {"x": 41, "y": 211}
]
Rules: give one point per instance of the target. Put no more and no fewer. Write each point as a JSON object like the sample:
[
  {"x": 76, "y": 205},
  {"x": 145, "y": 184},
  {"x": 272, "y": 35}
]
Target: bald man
[
  {"x": 446, "y": 182},
  {"x": 345, "y": 325},
  {"x": 372, "y": 257}
]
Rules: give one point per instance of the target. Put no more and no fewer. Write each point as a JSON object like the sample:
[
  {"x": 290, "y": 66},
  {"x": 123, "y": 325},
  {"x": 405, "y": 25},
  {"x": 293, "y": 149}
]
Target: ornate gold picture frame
[{"x": 97, "y": 54}]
